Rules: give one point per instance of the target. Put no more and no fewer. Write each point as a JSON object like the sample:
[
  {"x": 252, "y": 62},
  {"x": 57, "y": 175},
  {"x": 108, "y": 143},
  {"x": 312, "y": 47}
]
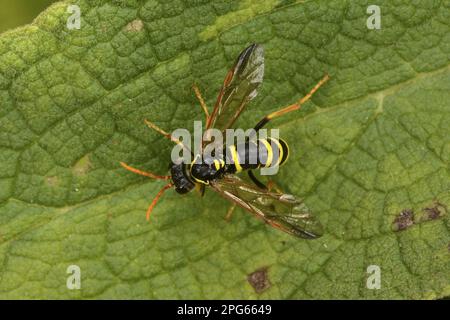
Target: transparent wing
[
  {"x": 239, "y": 87},
  {"x": 282, "y": 211}
]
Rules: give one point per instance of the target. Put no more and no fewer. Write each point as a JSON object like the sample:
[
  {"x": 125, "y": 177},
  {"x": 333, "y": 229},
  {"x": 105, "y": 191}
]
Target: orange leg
[
  {"x": 292, "y": 107},
  {"x": 272, "y": 185},
  {"x": 230, "y": 212},
  {"x": 298, "y": 105}
]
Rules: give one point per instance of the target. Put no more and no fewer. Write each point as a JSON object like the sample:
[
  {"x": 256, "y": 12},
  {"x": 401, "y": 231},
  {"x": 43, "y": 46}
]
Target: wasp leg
[
  {"x": 291, "y": 107},
  {"x": 144, "y": 173},
  {"x": 200, "y": 188},
  {"x": 230, "y": 212},
  {"x": 201, "y": 100},
  {"x": 255, "y": 180},
  {"x": 271, "y": 185}
]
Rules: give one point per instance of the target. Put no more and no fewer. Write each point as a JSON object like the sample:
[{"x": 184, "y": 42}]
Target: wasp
[{"x": 280, "y": 210}]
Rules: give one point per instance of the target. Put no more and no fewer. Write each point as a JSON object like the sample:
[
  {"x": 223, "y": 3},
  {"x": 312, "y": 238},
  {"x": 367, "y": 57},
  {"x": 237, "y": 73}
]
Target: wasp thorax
[{"x": 207, "y": 170}]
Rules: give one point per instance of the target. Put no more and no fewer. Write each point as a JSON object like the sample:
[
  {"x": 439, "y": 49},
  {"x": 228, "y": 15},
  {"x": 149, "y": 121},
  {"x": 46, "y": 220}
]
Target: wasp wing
[
  {"x": 239, "y": 87},
  {"x": 282, "y": 211}
]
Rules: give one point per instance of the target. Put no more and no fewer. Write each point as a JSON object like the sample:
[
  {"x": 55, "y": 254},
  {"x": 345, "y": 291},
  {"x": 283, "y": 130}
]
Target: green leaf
[{"x": 370, "y": 152}]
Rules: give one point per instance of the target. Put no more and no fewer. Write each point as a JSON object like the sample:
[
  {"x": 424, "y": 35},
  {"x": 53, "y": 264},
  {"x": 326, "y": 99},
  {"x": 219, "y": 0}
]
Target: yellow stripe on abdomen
[
  {"x": 269, "y": 152},
  {"x": 280, "y": 150},
  {"x": 235, "y": 157}
]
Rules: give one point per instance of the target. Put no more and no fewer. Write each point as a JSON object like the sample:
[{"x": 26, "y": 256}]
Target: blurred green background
[{"x": 15, "y": 13}]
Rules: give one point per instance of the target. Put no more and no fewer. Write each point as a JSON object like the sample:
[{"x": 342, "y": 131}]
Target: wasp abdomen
[{"x": 265, "y": 153}]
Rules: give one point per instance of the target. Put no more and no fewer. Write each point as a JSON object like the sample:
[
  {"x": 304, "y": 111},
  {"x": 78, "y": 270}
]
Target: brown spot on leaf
[
  {"x": 434, "y": 212},
  {"x": 259, "y": 280},
  {"x": 404, "y": 220},
  {"x": 135, "y": 26}
]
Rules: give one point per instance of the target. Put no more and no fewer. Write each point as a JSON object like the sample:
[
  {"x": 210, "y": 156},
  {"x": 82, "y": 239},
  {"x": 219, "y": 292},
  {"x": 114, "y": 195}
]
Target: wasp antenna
[
  {"x": 144, "y": 173},
  {"x": 166, "y": 134},
  {"x": 158, "y": 129},
  {"x": 155, "y": 200},
  {"x": 201, "y": 101}
]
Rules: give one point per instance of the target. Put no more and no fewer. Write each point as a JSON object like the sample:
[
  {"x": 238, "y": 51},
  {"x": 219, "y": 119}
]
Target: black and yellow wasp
[{"x": 283, "y": 211}]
